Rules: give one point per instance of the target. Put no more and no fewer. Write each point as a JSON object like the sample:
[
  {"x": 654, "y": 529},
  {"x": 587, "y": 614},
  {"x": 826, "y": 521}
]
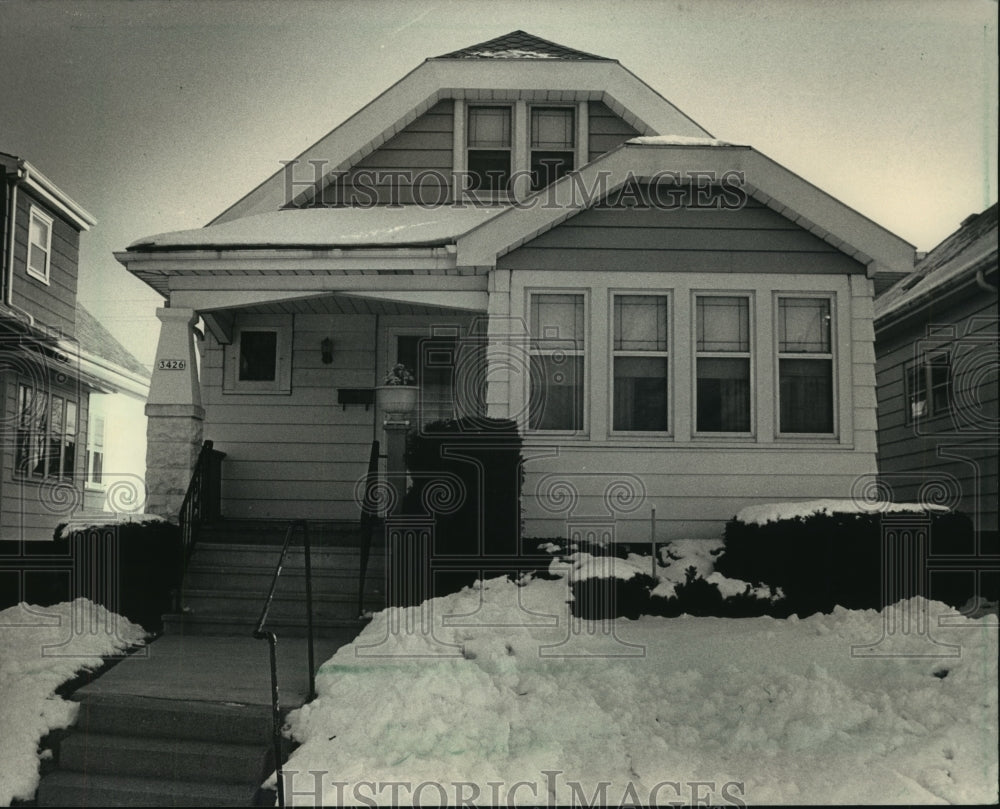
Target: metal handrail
[
  {"x": 272, "y": 642},
  {"x": 369, "y": 516},
  {"x": 201, "y": 500}
]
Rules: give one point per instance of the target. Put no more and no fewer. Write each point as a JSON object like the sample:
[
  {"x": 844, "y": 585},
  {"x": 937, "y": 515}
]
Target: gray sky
[{"x": 156, "y": 116}]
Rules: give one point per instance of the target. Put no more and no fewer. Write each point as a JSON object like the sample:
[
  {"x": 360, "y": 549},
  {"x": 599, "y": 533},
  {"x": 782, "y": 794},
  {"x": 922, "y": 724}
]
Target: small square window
[
  {"x": 39, "y": 245},
  {"x": 259, "y": 358}
]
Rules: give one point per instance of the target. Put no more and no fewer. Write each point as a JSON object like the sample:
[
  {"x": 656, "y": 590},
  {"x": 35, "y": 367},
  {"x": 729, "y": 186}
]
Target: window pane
[
  {"x": 39, "y": 232},
  {"x": 723, "y": 324},
  {"x": 556, "y": 393},
  {"x": 723, "y": 395},
  {"x": 806, "y": 391},
  {"x": 557, "y": 317},
  {"x": 552, "y": 129},
  {"x": 69, "y": 441},
  {"x": 489, "y": 127},
  {"x": 939, "y": 366},
  {"x": 40, "y": 431},
  {"x": 640, "y": 393},
  {"x": 547, "y": 167},
  {"x": 55, "y": 437},
  {"x": 804, "y": 325},
  {"x": 640, "y": 323},
  {"x": 258, "y": 355},
  {"x": 489, "y": 170},
  {"x": 24, "y": 405},
  {"x": 916, "y": 390}
]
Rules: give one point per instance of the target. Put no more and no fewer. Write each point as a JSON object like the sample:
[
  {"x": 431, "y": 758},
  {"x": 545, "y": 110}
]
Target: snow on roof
[
  {"x": 676, "y": 140},
  {"x": 963, "y": 252},
  {"x": 405, "y": 226},
  {"x": 520, "y": 45},
  {"x": 772, "y": 512}
]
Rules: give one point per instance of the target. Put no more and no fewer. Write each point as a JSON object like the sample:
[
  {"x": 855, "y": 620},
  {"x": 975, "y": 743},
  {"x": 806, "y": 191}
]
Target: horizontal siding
[
  {"x": 53, "y": 305},
  {"x": 695, "y": 491},
  {"x": 912, "y": 455},
  {"x": 425, "y": 145},
  {"x": 751, "y": 239},
  {"x": 606, "y": 130}
]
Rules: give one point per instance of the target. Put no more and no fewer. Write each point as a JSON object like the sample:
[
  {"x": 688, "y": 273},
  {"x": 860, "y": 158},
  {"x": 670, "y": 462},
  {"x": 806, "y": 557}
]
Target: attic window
[
  {"x": 489, "y": 147},
  {"x": 552, "y": 144}
]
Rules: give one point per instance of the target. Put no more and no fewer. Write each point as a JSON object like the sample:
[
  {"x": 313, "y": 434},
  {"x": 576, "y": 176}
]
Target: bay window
[
  {"x": 722, "y": 364},
  {"x": 640, "y": 359},
  {"x": 488, "y": 159},
  {"x": 556, "y": 385},
  {"x": 805, "y": 365}
]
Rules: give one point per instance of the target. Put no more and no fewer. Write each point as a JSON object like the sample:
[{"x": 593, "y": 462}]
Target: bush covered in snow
[{"x": 828, "y": 553}]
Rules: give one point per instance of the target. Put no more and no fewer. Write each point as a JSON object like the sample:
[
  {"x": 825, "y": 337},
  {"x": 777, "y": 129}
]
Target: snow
[
  {"x": 29, "y": 706},
  {"x": 412, "y": 225},
  {"x": 89, "y": 523},
  {"x": 676, "y": 140},
  {"x": 513, "y": 53},
  {"x": 772, "y": 512},
  {"x": 762, "y": 710}
]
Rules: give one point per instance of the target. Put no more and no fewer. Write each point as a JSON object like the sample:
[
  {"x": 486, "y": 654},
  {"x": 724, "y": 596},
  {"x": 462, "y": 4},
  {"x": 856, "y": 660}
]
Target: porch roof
[{"x": 320, "y": 228}]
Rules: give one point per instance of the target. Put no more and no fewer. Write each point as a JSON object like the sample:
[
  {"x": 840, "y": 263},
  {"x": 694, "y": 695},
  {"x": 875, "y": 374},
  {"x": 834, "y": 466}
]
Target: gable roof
[
  {"x": 96, "y": 340},
  {"x": 971, "y": 248},
  {"x": 520, "y": 45},
  {"x": 473, "y": 78},
  {"x": 644, "y": 158}
]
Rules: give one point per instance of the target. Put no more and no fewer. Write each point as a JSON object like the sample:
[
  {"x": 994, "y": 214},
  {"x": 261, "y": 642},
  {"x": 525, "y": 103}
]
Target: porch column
[
  {"x": 499, "y": 350},
  {"x": 174, "y": 414}
]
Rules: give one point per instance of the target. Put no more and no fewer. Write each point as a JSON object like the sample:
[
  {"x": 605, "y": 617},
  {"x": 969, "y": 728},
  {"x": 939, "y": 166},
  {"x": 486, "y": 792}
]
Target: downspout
[
  {"x": 982, "y": 284},
  {"x": 22, "y": 173}
]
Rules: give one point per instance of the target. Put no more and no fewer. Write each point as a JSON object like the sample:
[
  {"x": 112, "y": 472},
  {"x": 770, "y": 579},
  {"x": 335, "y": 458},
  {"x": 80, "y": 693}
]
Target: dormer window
[
  {"x": 552, "y": 144},
  {"x": 489, "y": 149}
]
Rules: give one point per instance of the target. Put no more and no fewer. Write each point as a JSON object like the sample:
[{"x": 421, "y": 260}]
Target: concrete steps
[{"x": 139, "y": 751}]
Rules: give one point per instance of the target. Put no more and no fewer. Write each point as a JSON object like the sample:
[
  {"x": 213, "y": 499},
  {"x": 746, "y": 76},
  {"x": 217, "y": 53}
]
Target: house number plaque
[{"x": 171, "y": 365}]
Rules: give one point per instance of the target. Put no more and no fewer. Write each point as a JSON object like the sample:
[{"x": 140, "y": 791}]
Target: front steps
[{"x": 141, "y": 751}]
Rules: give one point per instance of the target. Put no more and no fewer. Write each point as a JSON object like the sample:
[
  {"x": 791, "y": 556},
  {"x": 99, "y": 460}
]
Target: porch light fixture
[{"x": 326, "y": 350}]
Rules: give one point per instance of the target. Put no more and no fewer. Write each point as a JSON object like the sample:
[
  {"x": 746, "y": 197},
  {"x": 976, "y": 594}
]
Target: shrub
[
  {"x": 824, "y": 560},
  {"x": 129, "y": 568},
  {"x": 611, "y": 597}
]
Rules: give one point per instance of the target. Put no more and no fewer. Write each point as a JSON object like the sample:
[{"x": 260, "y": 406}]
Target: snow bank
[
  {"x": 29, "y": 707},
  {"x": 676, "y": 140},
  {"x": 111, "y": 518},
  {"x": 580, "y": 566},
  {"x": 486, "y": 706},
  {"x": 772, "y": 512}
]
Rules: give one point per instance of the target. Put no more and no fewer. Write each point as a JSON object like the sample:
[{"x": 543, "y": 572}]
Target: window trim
[
  {"x": 585, "y": 352},
  {"x": 283, "y": 327},
  {"x": 668, "y": 355},
  {"x": 833, "y": 357},
  {"x": 749, "y": 355},
  {"x": 37, "y": 213}
]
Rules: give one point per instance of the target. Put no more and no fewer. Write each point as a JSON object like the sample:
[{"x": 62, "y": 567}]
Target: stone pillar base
[{"x": 173, "y": 443}]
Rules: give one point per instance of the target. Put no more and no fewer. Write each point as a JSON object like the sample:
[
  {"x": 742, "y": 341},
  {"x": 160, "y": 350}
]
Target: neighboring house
[
  {"x": 49, "y": 366},
  {"x": 936, "y": 337},
  {"x": 672, "y": 320}
]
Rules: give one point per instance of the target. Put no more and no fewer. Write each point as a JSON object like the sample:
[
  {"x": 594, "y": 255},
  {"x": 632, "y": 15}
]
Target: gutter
[
  {"x": 12, "y": 223},
  {"x": 982, "y": 284}
]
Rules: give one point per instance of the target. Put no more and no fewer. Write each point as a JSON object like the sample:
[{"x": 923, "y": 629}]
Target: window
[
  {"x": 552, "y": 144},
  {"x": 928, "y": 386},
  {"x": 39, "y": 245},
  {"x": 46, "y": 434},
  {"x": 722, "y": 364},
  {"x": 95, "y": 452},
  {"x": 557, "y": 356},
  {"x": 640, "y": 361},
  {"x": 259, "y": 358},
  {"x": 805, "y": 365},
  {"x": 489, "y": 147}
]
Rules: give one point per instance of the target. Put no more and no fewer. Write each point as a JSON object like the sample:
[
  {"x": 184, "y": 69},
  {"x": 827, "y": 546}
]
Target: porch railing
[
  {"x": 203, "y": 500},
  {"x": 369, "y": 522},
  {"x": 272, "y": 641}
]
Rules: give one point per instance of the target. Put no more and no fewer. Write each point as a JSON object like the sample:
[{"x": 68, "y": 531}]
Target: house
[
  {"x": 936, "y": 365},
  {"x": 51, "y": 363},
  {"x": 673, "y": 320}
]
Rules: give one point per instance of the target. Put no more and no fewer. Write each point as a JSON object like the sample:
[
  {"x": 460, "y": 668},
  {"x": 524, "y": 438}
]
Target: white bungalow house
[{"x": 672, "y": 320}]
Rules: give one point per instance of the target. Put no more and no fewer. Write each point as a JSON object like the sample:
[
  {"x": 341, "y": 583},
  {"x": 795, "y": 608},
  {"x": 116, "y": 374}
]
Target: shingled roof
[
  {"x": 521, "y": 45},
  {"x": 96, "y": 339}
]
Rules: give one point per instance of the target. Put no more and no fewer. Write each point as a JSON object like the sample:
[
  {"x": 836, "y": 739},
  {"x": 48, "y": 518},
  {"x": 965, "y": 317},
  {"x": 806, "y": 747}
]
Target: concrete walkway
[{"x": 216, "y": 669}]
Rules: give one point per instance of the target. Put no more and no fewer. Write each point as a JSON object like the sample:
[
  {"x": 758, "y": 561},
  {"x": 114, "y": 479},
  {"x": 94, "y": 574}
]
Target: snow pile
[
  {"x": 580, "y": 566},
  {"x": 93, "y": 522},
  {"x": 29, "y": 707},
  {"x": 676, "y": 140},
  {"x": 681, "y": 554},
  {"x": 504, "y": 698},
  {"x": 772, "y": 512}
]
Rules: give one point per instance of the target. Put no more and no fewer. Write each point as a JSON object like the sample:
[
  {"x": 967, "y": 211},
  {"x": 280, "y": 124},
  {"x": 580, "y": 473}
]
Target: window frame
[
  {"x": 750, "y": 355},
  {"x": 283, "y": 327},
  {"x": 614, "y": 353},
  {"x": 39, "y": 442},
  {"x": 37, "y": 213},
  {"x": 573, "y": 150},
  {"x": 95, "y": 447},
  {"x": 534, "y": 351},
  {"x": 924, "y": 363},
  {"x": 491, "y": 193},
  {"x": 832, "y": 356}
]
